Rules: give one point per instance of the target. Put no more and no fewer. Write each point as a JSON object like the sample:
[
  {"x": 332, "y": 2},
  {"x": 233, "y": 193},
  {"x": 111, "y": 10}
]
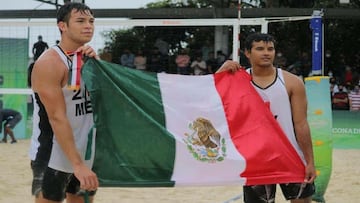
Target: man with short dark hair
[
  {"x": 285, "y": 95},
  {"x": 62, "y": 133}
]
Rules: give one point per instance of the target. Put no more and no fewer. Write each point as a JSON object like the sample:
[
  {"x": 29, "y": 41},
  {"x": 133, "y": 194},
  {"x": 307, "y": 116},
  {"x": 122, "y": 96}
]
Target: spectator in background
[
  {"x": 155, "y": 61},
  {"x": 337, "y": 86},
  {"x": 182, "y": 63},
  {"x": 39, "y": 47},
  {"x": 199, "y": 66},
  {"x": 127, "y": 58},
  {"x": 340, "y": 100},
  {"x": 11, "y": 118},
  {"x": 354, "y": 98},
  {"x": 140, "y": 60}
]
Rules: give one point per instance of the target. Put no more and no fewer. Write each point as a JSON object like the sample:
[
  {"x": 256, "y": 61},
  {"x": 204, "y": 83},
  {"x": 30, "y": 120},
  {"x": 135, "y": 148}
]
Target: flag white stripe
[
  {"x": 74, "y": 70},
  {"x": 203, "y": 101}
]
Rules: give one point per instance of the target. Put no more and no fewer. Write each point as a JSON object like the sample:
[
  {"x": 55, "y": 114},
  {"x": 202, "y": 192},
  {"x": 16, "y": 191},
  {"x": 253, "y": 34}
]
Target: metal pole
[
  {"x": 317, "y": 41},
  {"x": 236, "y": 55}
]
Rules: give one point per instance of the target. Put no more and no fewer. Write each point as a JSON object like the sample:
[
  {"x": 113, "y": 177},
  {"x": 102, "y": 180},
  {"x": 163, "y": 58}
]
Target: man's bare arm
[{"x": 302, "y": 130}]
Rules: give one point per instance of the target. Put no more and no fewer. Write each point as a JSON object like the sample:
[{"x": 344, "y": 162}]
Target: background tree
[{"x": 293, "y": 38}]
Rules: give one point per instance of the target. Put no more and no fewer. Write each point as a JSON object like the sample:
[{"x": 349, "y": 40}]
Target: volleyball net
[{"x": 17, "y": 37}]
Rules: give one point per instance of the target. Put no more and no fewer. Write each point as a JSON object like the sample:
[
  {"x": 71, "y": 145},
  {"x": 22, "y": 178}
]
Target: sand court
[{"x": 15, "y": 183}]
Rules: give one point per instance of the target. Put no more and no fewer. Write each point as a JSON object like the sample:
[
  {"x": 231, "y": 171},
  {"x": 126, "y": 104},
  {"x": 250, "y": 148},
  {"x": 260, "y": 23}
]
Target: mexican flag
[{"x": 167, "y": 130}]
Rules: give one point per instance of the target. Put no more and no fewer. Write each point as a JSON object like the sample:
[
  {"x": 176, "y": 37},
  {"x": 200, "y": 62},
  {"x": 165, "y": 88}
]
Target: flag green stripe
[
  {"x": 132, "y": 163},
  {"x": 89, "y": 144}
]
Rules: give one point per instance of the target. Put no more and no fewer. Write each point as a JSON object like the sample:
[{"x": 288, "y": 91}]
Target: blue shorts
[
  {"x": 54, "y": 184},
  {"x": 266, "y": 193}
]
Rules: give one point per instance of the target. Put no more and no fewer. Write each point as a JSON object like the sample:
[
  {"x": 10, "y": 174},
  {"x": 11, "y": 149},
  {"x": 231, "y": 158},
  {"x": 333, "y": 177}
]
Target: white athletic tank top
[
  {"x": 276, "y": 94},
  {"x": 79, "y": 113}
]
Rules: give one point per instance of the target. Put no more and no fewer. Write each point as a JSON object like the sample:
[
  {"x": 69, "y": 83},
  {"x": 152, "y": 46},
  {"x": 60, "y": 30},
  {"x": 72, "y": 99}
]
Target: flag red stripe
[
  {"x": 78, "y": 68},
  {"x": 270, "y": 157}
]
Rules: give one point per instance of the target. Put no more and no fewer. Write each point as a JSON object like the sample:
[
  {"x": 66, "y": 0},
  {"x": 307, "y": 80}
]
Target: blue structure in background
[{"x": 317, "y": 37}]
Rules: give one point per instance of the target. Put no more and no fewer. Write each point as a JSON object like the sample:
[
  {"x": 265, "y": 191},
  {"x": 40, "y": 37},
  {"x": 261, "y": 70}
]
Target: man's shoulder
[
  {"x": 289, "y": 75},
  {"x": 49, "y": 70},
  {"x": 49, "y": 58},
  {"x": 293, "y": 83}
]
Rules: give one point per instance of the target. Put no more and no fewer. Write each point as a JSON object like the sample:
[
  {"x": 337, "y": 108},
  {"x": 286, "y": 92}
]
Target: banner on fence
[{"x": 13, "y": 74}]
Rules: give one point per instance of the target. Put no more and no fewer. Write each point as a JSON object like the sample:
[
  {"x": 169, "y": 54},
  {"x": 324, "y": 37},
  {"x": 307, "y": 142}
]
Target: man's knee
[{"x": 74, "y": 198}]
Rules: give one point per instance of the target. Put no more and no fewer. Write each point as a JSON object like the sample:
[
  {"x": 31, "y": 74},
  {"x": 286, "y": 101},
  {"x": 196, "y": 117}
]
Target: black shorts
[
  {"x": 54, "y": 184},
  {"x": 264, "y": 193},
  {"x": 12, "y": 121}
]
